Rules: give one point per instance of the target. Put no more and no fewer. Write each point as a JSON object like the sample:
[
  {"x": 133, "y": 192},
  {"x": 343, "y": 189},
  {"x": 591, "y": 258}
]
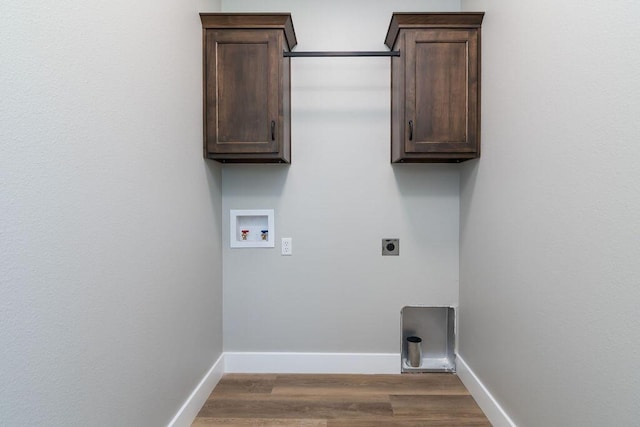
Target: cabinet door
[
  {"x": 441, "y": 91},
  {"x": 241, "y": 105}
]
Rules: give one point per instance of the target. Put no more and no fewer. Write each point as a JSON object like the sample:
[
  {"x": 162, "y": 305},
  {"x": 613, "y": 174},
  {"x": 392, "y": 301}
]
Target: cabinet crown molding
[
  {"x": 248, "y": 21},
  {"x": 404, "y": 20}
]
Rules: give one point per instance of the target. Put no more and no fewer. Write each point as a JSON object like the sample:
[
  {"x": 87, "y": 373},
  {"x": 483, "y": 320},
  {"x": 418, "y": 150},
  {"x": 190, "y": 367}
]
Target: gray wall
[
  {"x": 550, "y": 230},
  {"x": 110, "y": 267},
  {"x": 337, "y": 200}
]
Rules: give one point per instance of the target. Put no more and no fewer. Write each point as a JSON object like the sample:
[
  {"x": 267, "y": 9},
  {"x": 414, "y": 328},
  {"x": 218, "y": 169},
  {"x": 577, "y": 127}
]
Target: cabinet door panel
[
  {"x": 441, "y": 77},
  {"x": 242, "y": 66},
  {"x": 441, "y": 92},
  {"x": 243, "y": 92}
]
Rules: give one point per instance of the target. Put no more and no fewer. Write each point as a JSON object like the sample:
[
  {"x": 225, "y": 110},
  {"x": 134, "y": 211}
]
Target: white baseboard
[
  {"x": 491, "y": 408},
  {"x": 312, "y": 363},
  {"x": 197, "y": 398}
]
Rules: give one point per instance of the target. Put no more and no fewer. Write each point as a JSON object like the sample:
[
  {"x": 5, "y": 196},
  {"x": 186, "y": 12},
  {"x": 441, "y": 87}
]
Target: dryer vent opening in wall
[{"x": 429, "y": 332}]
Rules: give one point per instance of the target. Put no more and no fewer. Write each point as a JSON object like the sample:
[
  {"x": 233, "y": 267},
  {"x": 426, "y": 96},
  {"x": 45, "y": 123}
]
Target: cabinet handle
[
  {"x": 273, "y": 130},
  {"x": 410, "y": 130}
]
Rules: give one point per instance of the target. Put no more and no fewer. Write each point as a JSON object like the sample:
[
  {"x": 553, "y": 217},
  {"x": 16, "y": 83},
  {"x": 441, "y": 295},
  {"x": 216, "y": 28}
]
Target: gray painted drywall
[
  {"x": 110, "y": 267},
  {"x": 337, "y": 200},
  {"x": 550, "y": 230}
]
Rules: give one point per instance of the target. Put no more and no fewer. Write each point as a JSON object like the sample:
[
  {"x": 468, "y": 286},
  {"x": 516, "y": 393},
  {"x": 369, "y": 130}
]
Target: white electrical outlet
[{"x": 286, "y": 246}]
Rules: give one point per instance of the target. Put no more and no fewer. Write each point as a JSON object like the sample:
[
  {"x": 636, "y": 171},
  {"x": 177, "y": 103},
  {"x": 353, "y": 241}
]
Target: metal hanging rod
[{"x": 353, "y": 53}]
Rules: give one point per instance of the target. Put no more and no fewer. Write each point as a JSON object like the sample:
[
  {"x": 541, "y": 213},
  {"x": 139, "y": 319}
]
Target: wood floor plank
[
  {"x": 404, "y": 422},
  {"x": 245, "y": 383},
  {"x": 257, "y": 422},
  {"x": 294, "y": 407},
  {"x": 337, "y": 385},
  {"x": 437, "y": 407}
]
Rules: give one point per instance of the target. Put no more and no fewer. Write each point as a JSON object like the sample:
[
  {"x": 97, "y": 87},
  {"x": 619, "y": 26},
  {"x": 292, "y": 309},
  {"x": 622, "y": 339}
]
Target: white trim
[
  {"x": 489, "y": 405},
  {"x": 189, "y": 410},
  {"x": 312, "y": 363}
]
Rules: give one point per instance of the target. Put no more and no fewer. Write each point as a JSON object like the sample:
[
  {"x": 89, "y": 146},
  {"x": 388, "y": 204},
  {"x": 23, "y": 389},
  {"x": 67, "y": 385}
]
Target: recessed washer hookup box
[{"x": 435, "y": 326}]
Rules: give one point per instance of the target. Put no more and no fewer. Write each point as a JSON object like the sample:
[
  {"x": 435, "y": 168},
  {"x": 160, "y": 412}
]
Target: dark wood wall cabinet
[
  {"x": 435, "y": 86},
  {"x": 247, "y": 90}
]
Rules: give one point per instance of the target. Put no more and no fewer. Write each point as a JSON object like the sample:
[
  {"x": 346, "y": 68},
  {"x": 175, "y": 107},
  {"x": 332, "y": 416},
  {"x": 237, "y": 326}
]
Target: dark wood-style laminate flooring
[{"x": 305, "y": 400}]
